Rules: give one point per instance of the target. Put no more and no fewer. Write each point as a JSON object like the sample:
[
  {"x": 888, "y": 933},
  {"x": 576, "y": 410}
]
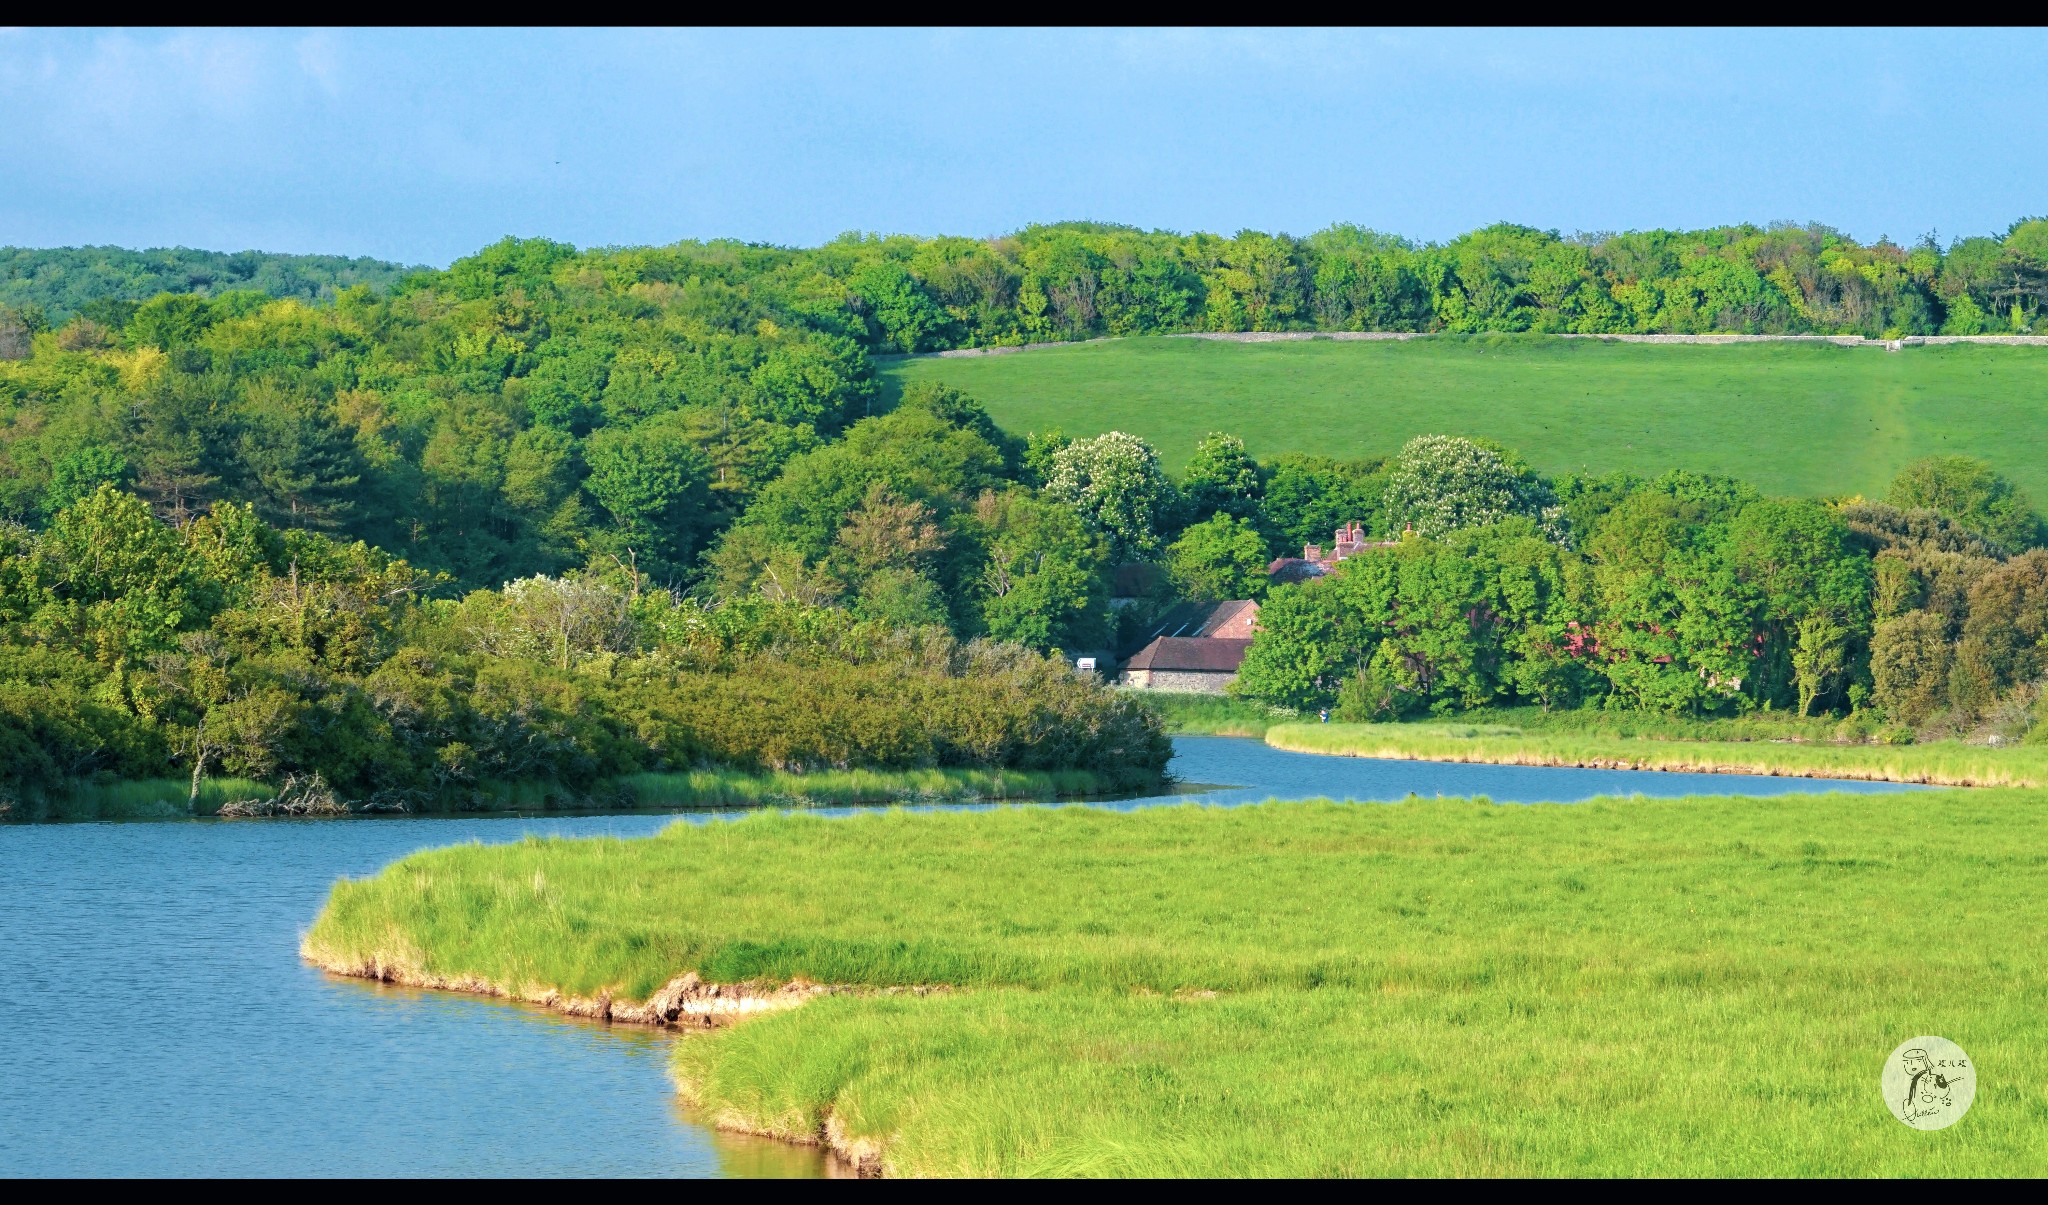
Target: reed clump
[{"x": 132, "y": 799}]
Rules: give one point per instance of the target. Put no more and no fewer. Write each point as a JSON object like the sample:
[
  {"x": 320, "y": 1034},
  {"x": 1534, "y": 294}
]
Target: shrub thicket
[{"x": 135, "y": 650}]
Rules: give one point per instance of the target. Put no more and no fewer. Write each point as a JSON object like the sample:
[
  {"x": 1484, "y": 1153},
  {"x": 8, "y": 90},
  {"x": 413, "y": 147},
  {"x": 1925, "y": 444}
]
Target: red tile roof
[
  {"x": 1197, "y": 654},
  {"x": 1196, "y": 619}
]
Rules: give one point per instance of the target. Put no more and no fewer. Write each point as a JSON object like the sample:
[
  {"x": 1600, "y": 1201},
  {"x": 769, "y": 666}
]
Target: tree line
[
  {"x": 1685, "y": 593},
  {"x": 886, "y": 601},
  {"x": 51, "y": 285},
  {"x": 1071, "y": 280},
  {"x": 137, "y": 649},
  {"x": 1083, "y": 280}
]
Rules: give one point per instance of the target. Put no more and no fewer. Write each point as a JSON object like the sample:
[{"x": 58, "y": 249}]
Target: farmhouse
[
  {"x": 1194, "y": 647},
  {"x": 1313, "y": 562}
]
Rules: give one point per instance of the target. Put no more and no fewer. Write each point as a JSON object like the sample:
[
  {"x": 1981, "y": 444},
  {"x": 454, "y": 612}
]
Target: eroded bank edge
[{"x": 685, "y": 1001}]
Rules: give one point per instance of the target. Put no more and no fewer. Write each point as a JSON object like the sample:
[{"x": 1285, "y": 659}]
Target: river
[{"x": 155, "y": 1019}]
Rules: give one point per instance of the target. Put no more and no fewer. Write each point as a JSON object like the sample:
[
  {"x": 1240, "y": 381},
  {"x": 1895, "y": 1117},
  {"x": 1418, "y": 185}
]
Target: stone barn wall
[{"x": 1190, "y": 681}]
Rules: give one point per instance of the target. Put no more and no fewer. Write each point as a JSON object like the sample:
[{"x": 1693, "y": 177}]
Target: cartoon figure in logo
[{"x": 1928, "y": 1089}]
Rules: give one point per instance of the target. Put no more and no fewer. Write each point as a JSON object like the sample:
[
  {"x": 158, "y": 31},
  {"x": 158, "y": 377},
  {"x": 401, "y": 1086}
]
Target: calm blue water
[
  {"x": 1258, "y": 772},
  {"x": 155, "y": 1019}
]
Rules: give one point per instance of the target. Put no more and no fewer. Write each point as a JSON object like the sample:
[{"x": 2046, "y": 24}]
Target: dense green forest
[
  {"x": 1685, "y": 594},
  {"x": 134, "y": 648},
  {"x": 533, "y": 405},
  {"x": 566, "y": 514},
  {"x": 53, "y": 284},
  {"x": 1081, "y": 280}
]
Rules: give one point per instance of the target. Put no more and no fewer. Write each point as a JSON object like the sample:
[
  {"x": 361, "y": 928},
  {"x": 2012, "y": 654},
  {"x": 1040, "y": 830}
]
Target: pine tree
[{"x": 300, "y": 464}]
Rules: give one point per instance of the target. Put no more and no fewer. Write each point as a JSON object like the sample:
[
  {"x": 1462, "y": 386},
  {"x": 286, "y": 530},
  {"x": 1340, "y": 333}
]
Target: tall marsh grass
[
  {"x": 1212, "y": 715},
  {"x": 138, "y": 799},
  {"x": 166, "y": 798},
  {"x": 1945, "y": 763},
  {"x": 1702, "y": 986},
  {"x": 727, "y": 788}
]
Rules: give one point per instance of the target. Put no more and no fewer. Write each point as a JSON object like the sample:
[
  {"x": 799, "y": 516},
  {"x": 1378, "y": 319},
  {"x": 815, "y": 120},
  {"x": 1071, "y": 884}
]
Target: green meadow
[
  {"x": 1704, "y": 986},
  {"x": 1793, "y": 419}
]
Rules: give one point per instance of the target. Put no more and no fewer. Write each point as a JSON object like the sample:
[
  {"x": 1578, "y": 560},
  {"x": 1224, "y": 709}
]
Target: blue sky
[{"x": 422, "y": 146}]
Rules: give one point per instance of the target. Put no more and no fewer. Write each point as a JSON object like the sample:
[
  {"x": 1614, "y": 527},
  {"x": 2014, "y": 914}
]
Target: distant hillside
[
  {"x": 1793, "y": 419},
  {"x": 62, "y": 281},
  {"x": 535, "y": 405}
]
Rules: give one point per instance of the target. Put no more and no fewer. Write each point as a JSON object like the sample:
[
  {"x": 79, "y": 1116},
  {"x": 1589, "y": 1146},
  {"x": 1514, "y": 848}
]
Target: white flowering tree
[
  {"x": 556, "y": 620},
  {"x": 1442, "y": 483},
  {"x": 1221, "y": 478},
  {"x": 1115, "y": 484}
]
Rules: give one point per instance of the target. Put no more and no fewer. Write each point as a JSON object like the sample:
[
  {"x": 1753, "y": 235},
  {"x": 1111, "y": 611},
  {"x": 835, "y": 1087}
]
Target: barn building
[{"x": 1193, "y": 647}]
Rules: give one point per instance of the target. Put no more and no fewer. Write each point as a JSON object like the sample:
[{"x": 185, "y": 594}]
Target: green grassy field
[
  {"x": 1697, "y": 986},
  {"x": 1946, "y": 763},
  {"x": 1792, "y": 419}
]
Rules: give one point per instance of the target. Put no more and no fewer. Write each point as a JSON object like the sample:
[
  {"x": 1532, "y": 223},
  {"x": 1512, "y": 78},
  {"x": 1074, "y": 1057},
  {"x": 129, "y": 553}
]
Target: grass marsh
[
  {"x": 1946, "y": 763},
  {"x": 741, "y": 789},
  {"x": 725, "y": 788},
  {"x": 1695, "y": 986}
]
